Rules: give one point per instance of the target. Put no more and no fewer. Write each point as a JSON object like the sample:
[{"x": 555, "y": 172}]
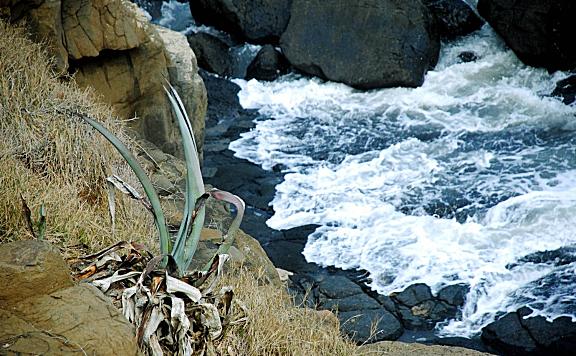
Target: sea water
[
  {"x": 452, "y": 182},
  {"x": 466, "y": 179}
]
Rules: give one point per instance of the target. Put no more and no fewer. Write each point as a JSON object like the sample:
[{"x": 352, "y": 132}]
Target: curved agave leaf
[
  {"x": 144, "y": 180},
  {"x": 193, "y": 220},
  {"x": 234, "y": 226}
]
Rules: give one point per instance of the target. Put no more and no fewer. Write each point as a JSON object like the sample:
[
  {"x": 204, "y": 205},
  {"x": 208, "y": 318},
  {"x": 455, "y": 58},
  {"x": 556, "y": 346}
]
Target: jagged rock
[
  {"x": 507, "y": 335},
  {"x": 258, "y": 21},
  {"x": 566, "y": 89},
  {"x": 30, "y": 268},
  {"x": 553, "y": 338},
  {"x": 213, "y": 54},
  {"x": 454, "y": 17},
  {"x": 373, "y": 324},
  {"x": 454, "y": 294},
  {"x": 92, "y": 26},
  {"x": 42, "y": 312},
  {"x": 414, "y": 295},
  {"x": 268, "y": 65},
  {"x": 111, "y": 47},
  {"x": 366, "y": 44},
  {"x": 541, "y": 33}
]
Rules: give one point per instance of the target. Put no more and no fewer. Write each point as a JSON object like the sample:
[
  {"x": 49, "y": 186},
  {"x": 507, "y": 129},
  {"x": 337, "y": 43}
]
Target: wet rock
[
  {"x": 261, "y": 21},
  {"x": 454, "y": 18},
  {"x": 351, "y": 303},
  {"x": 467, "y": 56},
  {"x": 508, "y": 336},
  {"x": 373, "y": 324},
  {"x": 367, "y": 44},
  {"x": 414, "y": 295},
  {"x": 268, "y": 65},
  {"x": 566, "y": 89},
  {"x": 212, "y": 53},
  {"x": 553, "y": 338},
  {"x": 541, "y": 33},
  {"x": 454, "y": 294}
]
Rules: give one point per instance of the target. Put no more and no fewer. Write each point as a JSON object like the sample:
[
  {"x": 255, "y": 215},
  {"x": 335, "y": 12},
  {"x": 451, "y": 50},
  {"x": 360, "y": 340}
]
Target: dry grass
[
  {"x": 50, "y": 157},
  {"x": 276, "y": 327}
]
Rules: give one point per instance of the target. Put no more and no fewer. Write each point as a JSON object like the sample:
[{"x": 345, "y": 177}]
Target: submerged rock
[
  {"x": 366, "y": 44},
  {"x": 541, "y": 33},
  {"x": 268, "y": 65},
  {"x": 566, "y": 89}
]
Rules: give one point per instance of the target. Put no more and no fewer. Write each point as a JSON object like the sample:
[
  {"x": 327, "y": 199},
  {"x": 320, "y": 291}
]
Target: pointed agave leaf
[
  {"x": 192, "y": 222},
  {"x": 112, "y": 205},
  {"x": 127, "y": 189},
  {"x": 234, "y": 226},
  {"x": 104, "y": 283},
  {"x": 144, "y": 180}
]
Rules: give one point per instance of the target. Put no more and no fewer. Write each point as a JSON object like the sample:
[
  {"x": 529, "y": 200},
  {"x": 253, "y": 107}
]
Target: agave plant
[
  {"x": 186, "y": 240},
  {"x": 171, "y": 314}
]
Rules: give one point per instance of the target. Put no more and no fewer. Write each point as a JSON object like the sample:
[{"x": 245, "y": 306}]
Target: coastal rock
[
  {"x": 370, "y": 325},
  {"x": 366, "y": 44},
  {"x": 566, "y": 89},
  {"x": 541, "y": 33},
  {"x": 212, "y": 53},
  {"x": 50, "y": 313},
  {"x": 268, "y": 65},
  {"x": 90, "y": 27},
  {"x": 553, "y": 338},
  {"x": 111, "y": 47},
  {"x": 414, "y": 295},
  {"x": 454, "y": 18},
  {"x": 507, "y": 335},
  {"x": 30, "y": 268},
  {"x": 454, "y": 294},
  {"x": 261, "y": 21}
]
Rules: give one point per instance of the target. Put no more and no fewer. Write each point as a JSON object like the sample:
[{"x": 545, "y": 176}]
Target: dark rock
[
  {"x": 414, "y": 295},
  {"x": 454, "y": 295},
  {"x": 338, "y": 287},
  {"x": 559, "y": 257},
  {"x": 359, "y": 325},
  {"x": 386, "y": 302},
  {"x": 260, "y": 21},
  {"x": 351, "y": 303},
  {"x": 454, "y": 17},
  {"x": 366, "y": 44},
  {"x": 508, "y": 336},
  {"x": 467, "y": 56},
  {"x": 268, "y": 65},
  {"x": 414, "y": 322},
  {"x": 211, "y": 52},
  {"x": 541, "y": 33},
  {"x": 553, "y": 338},
  {"x": 566, "y": 89}
]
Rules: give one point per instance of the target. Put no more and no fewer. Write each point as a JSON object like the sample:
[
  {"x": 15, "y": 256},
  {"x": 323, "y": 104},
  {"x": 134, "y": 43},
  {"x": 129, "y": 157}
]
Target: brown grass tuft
[{"x": 49, "y": 157}]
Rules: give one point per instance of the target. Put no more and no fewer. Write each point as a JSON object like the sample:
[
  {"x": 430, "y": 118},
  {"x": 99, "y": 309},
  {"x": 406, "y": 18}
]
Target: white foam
[{"x": 369, "y": 166}]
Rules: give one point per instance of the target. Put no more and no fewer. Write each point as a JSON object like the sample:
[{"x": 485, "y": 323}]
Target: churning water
[
  {"x": 462, "y": 180},
  {"x": 467, "y": 179}
]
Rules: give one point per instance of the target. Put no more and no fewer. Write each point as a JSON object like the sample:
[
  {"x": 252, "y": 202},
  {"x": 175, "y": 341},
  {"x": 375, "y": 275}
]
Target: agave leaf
[
  {"x": 27, "y": 216},
  {"x": 192, "y": 222},
  {"x": 144, "y": 180},
  {"x": 127, "y": 189},
  {"x": 234, "y": 226},
  {"x": 211, "y": 319},
  {"x": 129, "y": 304},
  {"x": 220, "y": 270},
  {"x": 174, "y": 285},
  {"x": 104, "y": 283},
  {"x": 112, "y": 205},
  {"x": 42, "y": 222}
]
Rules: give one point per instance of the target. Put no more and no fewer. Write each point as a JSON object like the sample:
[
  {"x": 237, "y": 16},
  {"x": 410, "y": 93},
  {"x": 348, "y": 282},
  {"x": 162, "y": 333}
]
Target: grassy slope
[{"x": 49, "y": 157}]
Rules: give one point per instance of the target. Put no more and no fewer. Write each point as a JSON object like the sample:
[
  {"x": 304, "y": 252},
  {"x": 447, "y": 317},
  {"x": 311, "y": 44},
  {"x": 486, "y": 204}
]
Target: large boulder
[
  {"x": 43, "y": 312},
  {"x": 212, "y": 53},
  {"x": 541, "y": 33},
  {"x": 454, "y": 17},
  {"x": 258, "y": 21},
  {"x": 366, "y": 44},
  {"x": 112, "y": 47}
]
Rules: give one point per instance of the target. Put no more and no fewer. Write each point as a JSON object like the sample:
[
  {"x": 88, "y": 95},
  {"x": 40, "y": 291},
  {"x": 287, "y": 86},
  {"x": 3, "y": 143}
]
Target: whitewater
[
  {"x": 453, "y": 182},
  {"x": 466, "y": 179}
]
